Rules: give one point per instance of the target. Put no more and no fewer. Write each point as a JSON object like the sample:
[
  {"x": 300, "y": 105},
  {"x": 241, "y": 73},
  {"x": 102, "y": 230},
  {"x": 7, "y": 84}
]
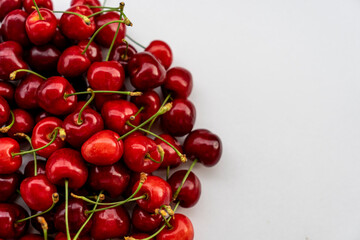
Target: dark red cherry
[
  {"x": 157, "y": 191},
  {"x": 203, "y": 145},
  {"x": 122, "y": 54},
  {"x": 178, "y": 83},
  {"x": 106, "y": 76},
  {"x": 4, "y": 111},
  {"x": 117, "y": 112},
  {"x": 106, "y": 35},
  {"x": 87, "y": 3},
  {"x": 110, "y": 223},
  {"x": 44, "y": 59},
  {"x": 40, "y": 31},
  {"x": 29, "y": 168},
  {"x": 29, "y": 4},
  {"x": 9, "y": 183},
  {"x": 13, "y": 27},
  {"x": 93, "y": 53},
  {"x": 26, "y": 91},
  {"x": 72, "y": 63},
  {"x": 145, "y": 71},
  {"x": 7, "y": 6},
  {"x": 113, "y": 179},
  {"x": 7, "y": 91},
  {"x": 74, "y": 27},
  {"x": 37, "y": 192},
  {"x": 59, "y": 40},
  {"x": 49, "y": 218},
  {"x": 24, "y": 122},
  {"x": 32, "y": 237},
  {"x": 103, "y": 148},
  {"x": 102, "y": 98},
  {"x": 180, "y": 120},
  {"x": 150, "y": 101},
  {"x": 11, "y": 53},
  {"x": 141, "y": 236},
  {"x": 144, "y": 221},
  {"x": 41, "y": 115},
  {"x": 182, "y": 229},
  {"x": 171, "y": 158},
  {"x": 8, "y": 163},
  {"x": 9, "y": 214},
  {"x": 62, "y": 236},
  {"x": 161, "y": 51},
  {"x": 51, "y": 96}
]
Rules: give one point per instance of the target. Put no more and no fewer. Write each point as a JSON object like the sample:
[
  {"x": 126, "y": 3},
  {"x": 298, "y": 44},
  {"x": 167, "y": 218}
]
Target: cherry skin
[
  {"x": 103, "y": 148},
  {"x": 144, "y": 221},
  {"x": 106, "y": 35},
  {"x": 4, "y": 111},
  {"x": 37, "y": 192},
  {"x": 102, "y": 98},
  {"x": 13, "y": 27},
  {"x": 93, "y": 53},
  {"x": 62, "y": 236},
  {"x": 122, "y": 54},
  {"x": 178, "y": 83},
  {"x": 32, "y": 237},
  {"x": 59, "y": 40},
  {"x": 106, "y": 76},
  {"x": 136, "y": 154},
  {"x": 8, "y": 163},
  {"x": 42, "y": 31},
  {"x": 171, "y": 158},
  {"x": 9, "y": 214},
  {"x": 44, "y": 59},
  {"x": 141, "y": 236},
  {"x": 182, "y": 229},
  {"x": 74, "y": 27},
  {"x": 88, "y": 3},
  {"x": 41, "y": 115},
  {"x": 42, "y": 135},
  {"x": 150, "y": 101},
  {"x": 67, "y": 164},
  {"x": 9, "y": 183},
  {"x": 117, "y": 112},
  {"x": 11, "y": 52},
  {"x": 110, "y": 223},
  {"x": 158, "y": 192},
  {"x": 49, "y": 218},
  {"x": 203, "y": 145},
  {"x": 7, "y": 6},
  {"x": 145, "y": 71},
  {"x": 180, "y": 120},
  {"x": 51, "y": 96},
  {"x": 29, "y": 168},
  {"x": 29, "y": 4},
  {"x": 161, "y": 51},
  {"x": 72, "y": 63},
  {"x": 26, "y": 91},
  {"x": 113, "y": 179},
  {"x": 24, "y": 123},
  {"x": 7, "y": 91}
]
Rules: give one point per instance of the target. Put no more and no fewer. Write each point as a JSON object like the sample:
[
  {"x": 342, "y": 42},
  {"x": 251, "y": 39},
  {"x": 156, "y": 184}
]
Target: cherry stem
[
  {"x": 103, "y": 11},
  {"x": 167, "y": 173},
  {"x": 13, "y": 74},
  {"x": 79, "y": 120},
  {"x": 125, "y": 56},
  {"x": 131, "y": 39},
  {"x": 148, "y": 156},
  {"x": 8, "y": 127},
  {"x": 132, "y": 118},
  {"x": 83, "y": 17},
  {"x": 44, "y": 226},
  {"x": 152, "y": 122},
  {"x": 66, "y": 95},
  {"x": 55, "y": 199},
  {"x": 67, "y": 209},
  {"x": 38, "y": 10},
  {"x": 184, "y": 180},
  {"x": 31, "y": 146}
]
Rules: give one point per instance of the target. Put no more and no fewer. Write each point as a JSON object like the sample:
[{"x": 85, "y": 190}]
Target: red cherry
[
  {"x": 29, "y": 4},
  {"x": 24, "y": 122},
  {"x": 145, "y": 221},
  {"x": 51, "y": 96},
  {"x": 7, "y": 91},
  {"x": 110, "y": 223},
  {"x": 106, "y": 76},
  {"x": 13, "y": 27},
  {"x": 32, "y": 237},
  {"x": 93, "y": 53},
  {"x": 7, "y": 6},
  {"x": 37, "y": 192},
  {"x": 150, "y": 101},
  {"x": 41, "y": 31},
  {"x": 8, "y": 163},
  {"x": 180, "y": 120},
  {"x": 145, "y": 71},
  {"x": 59, "y": 40},
  {"x": 62, "y": 236},
  {"x": 158, "y": 192},
  {"x": 171, "y": 158},
  {"x": 26, "y": 91},
  {"x": 67, "y": 164},
  {"x": 141, "y": 236},
  {"x": 49, "y": 218},
  {"x": 102, "y": 98},
  {"x": 9, "y": 183},
  {"x": 204, "y": 146},
  {"x": 44, "y": 59},
  {"x": 182, "y": 229},
  {"x": 72, "y": 62},
  {"x": 106, "y": 35},
  {"x": 11, "y": 54},
  {"x": 161, "y": 51},
  {"x": 103, "y": 148},
  {"x": 122, "y": 54},
  {"x": 4, "y": 111},
  {"x": 178, "y": 82},
  {"x": 74, "y": 27},
  {"x": 117, "y": 112},
  {"x": 29, "y": 168},
  {"x": 9, "y": 214},
  {"x": 41, "y": 115},
  {"x": 88, "y": 3}
]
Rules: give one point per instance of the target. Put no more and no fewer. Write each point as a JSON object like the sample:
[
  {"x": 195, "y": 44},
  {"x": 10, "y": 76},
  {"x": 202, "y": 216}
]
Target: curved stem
[
  {"x": 38, "y": 10},
  {"x": 122, "y": 4},
  {"x": 124, "y": 56},
  {"x": 137, "y": 113},
  {"x": 103, "y": 11},
  {"x": 83, "y": 17},
  {"x": 66, "y": 95},
  {"x": 148, "y": 156},
  {"x": 131, "y": 39},
  {"x": 44, "y": 226},
  {"x": 79, "y": 120},
  {"x": 31, "y": 146},
  {"x": 8, "y": 127},
  {"x": 67, "y": 209},
  {"x": 13, "y": 74},
  {"x": 184, "y": 180},
  {"x": 152, "y": 122}
]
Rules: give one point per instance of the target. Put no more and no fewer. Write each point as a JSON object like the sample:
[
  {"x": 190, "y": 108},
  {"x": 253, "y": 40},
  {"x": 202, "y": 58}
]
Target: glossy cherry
[
  {"x": 93, "y": 53},
  {"x": 102, "y": 98},
  {"x": 72, "y": 62},
  {"x": 161, "y": 51},
  {"x": 9, "y": 214},
  {"x": 8, "y": 163},
  {"x": 122, "y": 54},
  {"x": 150, "y": 101},
  {"x": 106, "y": 76},
  {"x": 178, "y": 83},
  {"x": 41, "y": 31},
  {"x": 106, "y": 35},
  {"x": 44, "y": 59},
  {"x": 4, "y": 111},
  {"x": 29, "y": 4},
  {"x": 9, "y": 183},
  {"x": 180, "y": 120},
  {"x": 88, "y": 3},
  {"x": 24, "y": 122},
  {"x": 171, "y": 158},
  {"x": 26, "y": 91},
  {"x": 204, "y": 146},
  {"x": 62, "y": 236},
  {"x": 31, "y": 237},
  {"x": 7, "y": 6},
  {"x": 7, "y": 91},
  {"x": 182, "y": 229},
  {"x": 29, "y": 168},
  {"x": 11, "y": 53},
  {"x": 59, "y": 40},
  {"x": 144, "y": 221},
  {"x": 13, "y": 27},
  {"x": 41, "y": 115},
  {"x": 145, "y": 71}
]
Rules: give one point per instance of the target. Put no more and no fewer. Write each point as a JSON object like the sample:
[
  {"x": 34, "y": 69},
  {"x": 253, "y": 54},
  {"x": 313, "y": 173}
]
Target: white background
[{"x": 279, "y": 82}]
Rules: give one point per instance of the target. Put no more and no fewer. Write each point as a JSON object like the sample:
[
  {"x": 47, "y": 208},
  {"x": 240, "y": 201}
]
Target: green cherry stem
[
  {"x": 103, "y": 11},
  {"x": 184, "y": 179},
  {"x": 125, "y": 56},
  {"x": 167, "y": 173},
  {"x": 152, "y": 122},
  {"x": 67, "y": 209},
  {"x": 44, "y": 226},
  {"x": 80, "y": 120},
  {"x": 23, "y": 135},
  {"x": 83, "y": 17},
  {"x": 66, "y": 95},
  {"x": 122, "y": 5},
  {"x": 131, "y": 39},
  {"x": 132, "y": 118},
  {"x": 8, "y": 127},
  {"x": 38, "y": 10},
  {"x": 13, "y": 74}
]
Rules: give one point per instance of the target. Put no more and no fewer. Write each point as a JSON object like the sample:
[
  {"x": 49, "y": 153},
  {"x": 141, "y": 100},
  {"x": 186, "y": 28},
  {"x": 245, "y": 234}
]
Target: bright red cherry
[
  {"x": 171, "y": 158},
  {"x": 24, "y": 123},
  {"x": 180, "y": 120},
  {"x": 72, "y": 63},
  {"x": 93, "y": 53},
  {"x": 87, "y": 3},
  {"x": 7, "y": 6},
  {"x": 204, "y": 146},
  {"x": 9, "y": 214},
  {"x": 102, "y": 98},
  {"x": 182, "y": 229},
  {"x": 106, "y": 35},
  {"x": 41, "y": 31},
  {"x": 13, "y": 27},
  {"x": 32, "y": 237},
  {"x": 8, "y": 163},
  {"x": 4, "y": 111},
  {"x": 145, "y": 71},
  {"x": 44, "y": 59},
  {"x": 26, "y": 91},
  {"x": 106, "y": 76},
  {"x": 7, "y": 91},
  {"x": 122, "y": 54},
  {"x": 9, "y": 183},
  {"x": 29, "y": 168},
  {"x": 29, "y": 4},
  {"x": 11, "y": 53},
  {"x": 150, "y": 101},
  {"x": 144, "y": 221},
  {"x": 161, "y": 51},
  {"x": 178, "y": 83}
]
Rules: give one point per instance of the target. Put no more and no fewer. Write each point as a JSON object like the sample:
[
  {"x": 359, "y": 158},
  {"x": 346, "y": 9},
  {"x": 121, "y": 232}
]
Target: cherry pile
[{"x": 100, "y": 130}]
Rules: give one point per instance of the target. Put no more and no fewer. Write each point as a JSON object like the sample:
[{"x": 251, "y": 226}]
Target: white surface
[{"x": 279, "y": 82}]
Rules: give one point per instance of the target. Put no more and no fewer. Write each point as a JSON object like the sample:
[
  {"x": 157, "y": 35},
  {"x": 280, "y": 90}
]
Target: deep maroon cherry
[
  {"x": 9, "y": 183},
  {"x": 41, "y": 31},
  {"x": 106, "y": 76},
  {"x": 29, "y": 4},
  {"x": 122, "y": 54},
  {"x": 88, "y": 3},
  {"x": 32, "y": 237},
  {"x": 13, "y": 27},
  {"x": 24, "y": 122},
  {"x": 9, "y": 214},
  {"x": 171, "y": 158},
  {"x": 145, "y": 71},
  {"x": 178, "y": 83},
  {"x": 150, "y": 101},
  {"x": 8, "y": 163},
  {"x": 180, "y": 120},
  {"x": 182, "y": 229},
  {"x": 29, "y": 168},
  {"x": 44, "y": 59},
  {"x": 4, "y": 111},
  {"x": 144, "y": 221},
  {"x": 204, "y": 146},
  {"x": 59, "y": 40},
  {"x": 7, "y": 91},
  {"x": 11, "y": 53},
  {"x": 7, "y": 6},
  {"x": 72, "y": 63},
  {"x": 41, "y": 115},
  {"x": 161, "y": 51},
  {"x": 26, "y": 91},
  {"x": 49, "y": 218},
  {"x": 106, "y": 35},
  {"x": 93, "y": 53}
]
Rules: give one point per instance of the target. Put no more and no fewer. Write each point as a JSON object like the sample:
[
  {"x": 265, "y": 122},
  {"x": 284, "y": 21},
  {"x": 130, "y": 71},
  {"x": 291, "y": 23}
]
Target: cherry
[
  {"x": 178, "y": 83},
  {"x": 59, "y": 40},
  {"x": 7, "y": 6},
  {"x": 24, "y": 123},
  {"x": 11, "y": 54},
  {"x": 157, "y": 191},
  {"x": 75, "y": 27},
  {"x": 41, "y": 115},
  {"x": 106, "y": 76},
  {"x": 150, "y": 101},
  {"x": 13, "y": 27},
  {"x": 171, "y": 158},
  {"x": 44, "y": 59},
  {"x": 49, "y": 218},
  {"x": 144, "y": 221},
  {"x": 145, "y": 71},
  {"x": 51, "y": 96},
  {"x": 41, "y": 29},
  {"x": 9, "y": 183},
  {"x": 4, "y": 111},
  {"x": 32, "y": 237},
  {"x": 26, "y": 91},
  {"x": 7, "y": 91},
  {"x": 140, "y": 236},
  {"x": 106, "y": 35},
  {"x": 62, "y": 236},
  {"x": 30, "y": 168},
  {"x": 88, "y": 3},
  {"x": 161, "y": 51},
  {"x": 29, "y": 4},
  {"x": 117, "y": 112},
  {"x": 93, "y": 53},
  {"x": 110, "y": 223},
  {"x": 8, "y": 163},
  {"x": 102, "y": 98},
  {"x": 103, "y": 148},
  {"x": 72, "y": 62},
  {"x": 182, "y": 229},
  {"x": 180, "y": 120},
  {"x": 204, "y": 146},
  {"x": 122, "y": 53},
  {"x": 9, "y": 215}
]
